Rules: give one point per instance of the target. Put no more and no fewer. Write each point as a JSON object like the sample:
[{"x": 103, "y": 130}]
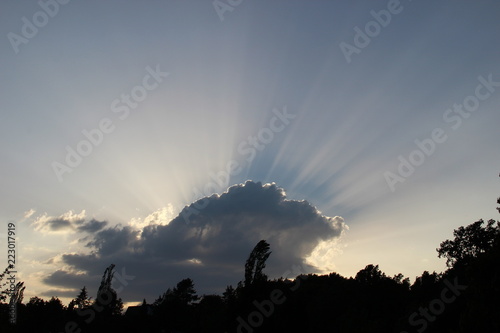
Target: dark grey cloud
[
  {"x": 59, "y": 293},
  {"x": 58, "y": 224},
  {"x": 92, "y": 226},
  {"x": 115, "y": 240},
  {"x": 67, "y": 280},
  {"x": 68, "y": 222},
  {"x": 211, "y": 246}
]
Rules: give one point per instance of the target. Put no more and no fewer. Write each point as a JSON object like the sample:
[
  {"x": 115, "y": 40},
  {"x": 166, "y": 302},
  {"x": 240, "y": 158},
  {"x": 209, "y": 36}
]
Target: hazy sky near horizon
[{"x": 115, "y": 116}]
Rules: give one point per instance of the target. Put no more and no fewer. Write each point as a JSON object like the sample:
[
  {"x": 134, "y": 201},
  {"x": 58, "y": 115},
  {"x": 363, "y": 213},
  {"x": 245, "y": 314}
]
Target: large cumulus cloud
[{"x": 210, "y": 246}]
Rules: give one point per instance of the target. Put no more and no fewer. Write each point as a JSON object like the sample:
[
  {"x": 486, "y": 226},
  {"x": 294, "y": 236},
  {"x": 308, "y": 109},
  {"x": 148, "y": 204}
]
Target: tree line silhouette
[{"x": 464, "y": 298}]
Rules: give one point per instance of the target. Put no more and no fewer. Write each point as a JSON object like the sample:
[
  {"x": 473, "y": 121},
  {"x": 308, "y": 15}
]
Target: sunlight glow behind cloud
[
  {"x": 226, "y": 78},
  {"x": 213, "y": 246}
]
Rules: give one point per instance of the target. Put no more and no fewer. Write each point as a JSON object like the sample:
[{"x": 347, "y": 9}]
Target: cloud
[
  {"x": 163, "y": 216},
  {"x": 92, "y": 226},
  {"x": 71, "y": 280},
  {"x": 211, "y": 247},
  {"x": 29, "y": 213},
  {"x": 67, "y": 222},
  {"x": 72, "y": 293}
]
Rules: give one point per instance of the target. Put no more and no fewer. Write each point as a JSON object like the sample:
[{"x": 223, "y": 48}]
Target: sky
[{"x": 169, "y": 137}]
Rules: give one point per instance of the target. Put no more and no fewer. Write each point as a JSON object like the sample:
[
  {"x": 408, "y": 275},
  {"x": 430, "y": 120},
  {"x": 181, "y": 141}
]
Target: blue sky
[{"x": 220, "y": 83}]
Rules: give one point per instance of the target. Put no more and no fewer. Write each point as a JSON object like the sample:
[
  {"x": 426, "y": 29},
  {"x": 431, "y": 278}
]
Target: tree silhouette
[
  {"x": 55, "y": 310},
  {"x": 400, "y": 279},
  {"x": 81, "y": 301},
  {"x": 174, "y": 309},
  {"x": 42, "y": 316},
  {"x": 107, "y": 301},
  {"x": 36, "y": 302},
  {"x": 185, "y": 292},
  {"x": 469, "y": 242},
  {"x": 256, "y": 263},
  {"x": 370, "y": 275},
  {"x": 229, "y": 295},
  {"x": 4, "y": 293},
  {"x": 17, "y": 295},
  {"x": 165, "y": 297},
  {"x": 211, "y": 314}
]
